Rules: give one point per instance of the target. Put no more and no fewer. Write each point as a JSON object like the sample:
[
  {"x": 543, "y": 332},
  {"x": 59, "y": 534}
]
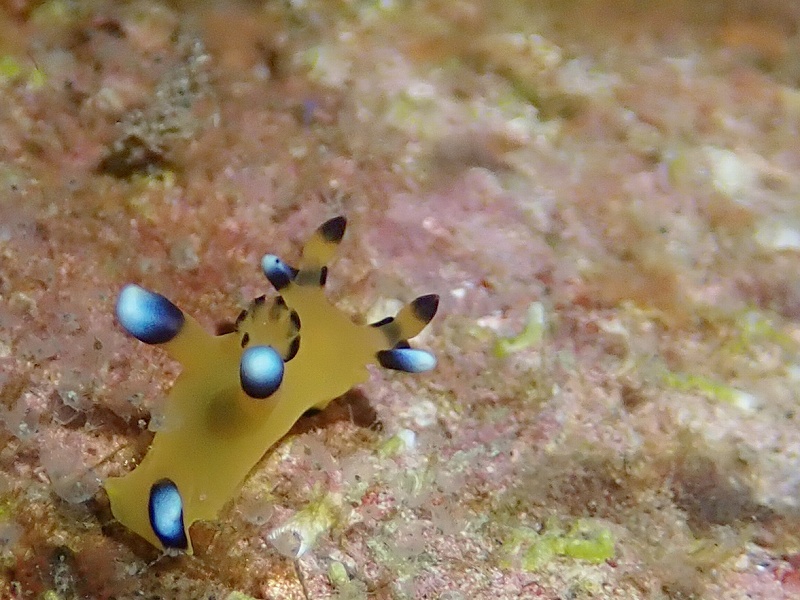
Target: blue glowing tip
[
  {"x": 410, "y": 360},
  {"x": 278, "y": 272},
  {"x": 165, "y": 509},
  {"x": 148, "y": 316},
  {"x": 260, "y": 371}
]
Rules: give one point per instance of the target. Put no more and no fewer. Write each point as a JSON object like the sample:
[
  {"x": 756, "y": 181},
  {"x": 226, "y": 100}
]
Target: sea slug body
[{"x": 240, "y": 392}]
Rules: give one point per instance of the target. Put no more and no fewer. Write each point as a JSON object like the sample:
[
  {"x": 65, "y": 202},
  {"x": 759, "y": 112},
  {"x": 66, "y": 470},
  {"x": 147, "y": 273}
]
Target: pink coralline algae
[{"x": 608, "y": 213}]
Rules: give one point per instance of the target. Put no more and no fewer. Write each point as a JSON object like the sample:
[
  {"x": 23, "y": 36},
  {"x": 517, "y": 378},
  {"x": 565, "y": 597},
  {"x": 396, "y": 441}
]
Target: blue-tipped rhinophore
[
  {"x": 147, "y": 316},
  {"x": 278, "y": 272},
  {"x": 410, "y": 360},
  {"x": 260, "y": 371},
  {"x": 165, "y": 509}
]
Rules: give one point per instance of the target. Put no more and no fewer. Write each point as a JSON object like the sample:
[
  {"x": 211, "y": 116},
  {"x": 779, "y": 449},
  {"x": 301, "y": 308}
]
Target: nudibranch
[{"x": 240, "y": 392}]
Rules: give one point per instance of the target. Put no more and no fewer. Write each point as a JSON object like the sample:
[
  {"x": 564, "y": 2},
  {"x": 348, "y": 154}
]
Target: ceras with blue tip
[
  {"x": 408, "y": 360},
  {"x": 165, "y": 509},
  {"x": 278, "y": 272},
  {"x": 147, "y": 316},
  {"x": 260, "y": 371}
]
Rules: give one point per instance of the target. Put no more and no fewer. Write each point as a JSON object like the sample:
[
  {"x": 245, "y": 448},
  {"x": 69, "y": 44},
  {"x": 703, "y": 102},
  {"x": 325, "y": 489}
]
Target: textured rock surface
[{"x": 605, "y": 194}]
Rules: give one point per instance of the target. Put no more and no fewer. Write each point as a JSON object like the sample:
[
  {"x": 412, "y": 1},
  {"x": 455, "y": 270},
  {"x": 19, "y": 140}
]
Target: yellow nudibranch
[{"x": 240, "y": 392}]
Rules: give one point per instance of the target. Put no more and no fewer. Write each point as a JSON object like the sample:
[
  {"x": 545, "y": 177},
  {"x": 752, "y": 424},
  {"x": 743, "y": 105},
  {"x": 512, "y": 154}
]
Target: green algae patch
[
  {"x": 346, "y": 588},
  {"x": 56, "y": 13},
  {"x": 337, "y": 574},
  {"x": 149, "y": 193},
  {"x": 687, "y": 382},
  {"x": 300, "y": 532},
  {"x": 9, "y": 68},
  {"x": 12, "y": 70},
  {"x": 238, "y": 596},
  {"x": 531, "y": 336},
  {"x": 755, "y": 327},
  {"x": 585, "y": 540},
  {"x": 398, "y": 444},
  {"x": 36, "y": 78}
]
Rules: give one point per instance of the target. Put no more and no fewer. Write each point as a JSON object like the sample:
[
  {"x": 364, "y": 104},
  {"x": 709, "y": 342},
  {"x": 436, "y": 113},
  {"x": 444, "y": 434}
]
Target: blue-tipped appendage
[
  {"x": 165, "y": 509},
  {"x": 147, "y": 316},
  {"x": 278, "y": 272},
  {"x": 260, "y": 371},
  {"x": 409, "y": 360}
]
